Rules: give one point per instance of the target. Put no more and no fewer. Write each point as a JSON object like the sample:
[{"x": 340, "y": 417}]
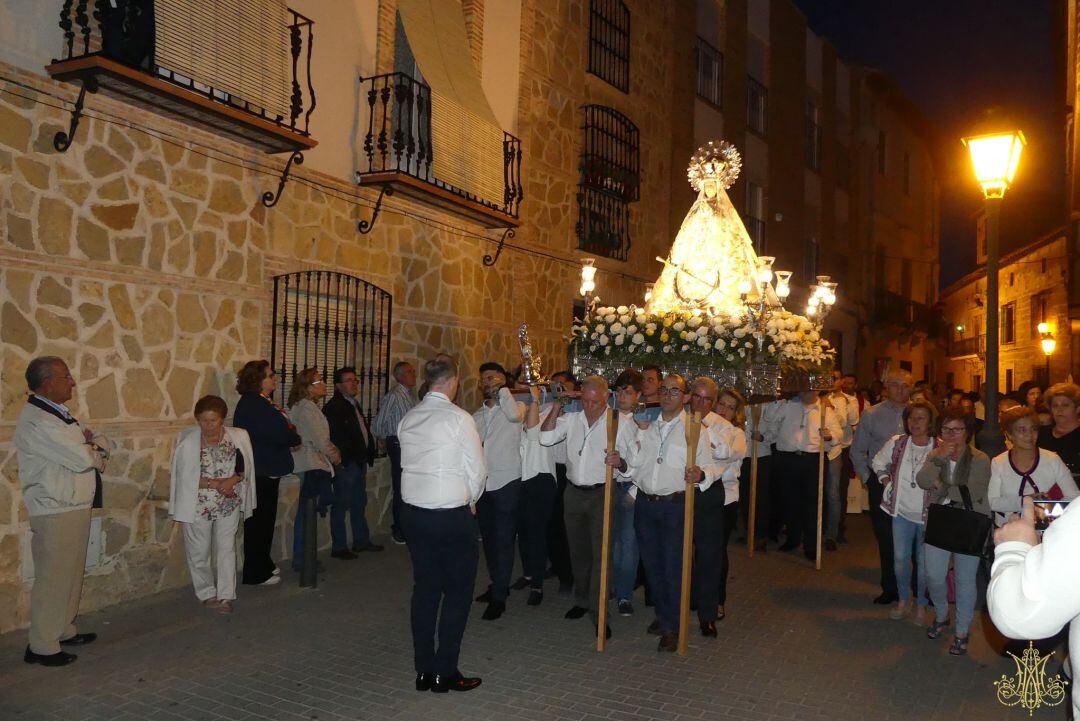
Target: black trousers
[
  {"x": 393, "y": 449},
  {"x": 259, "y": 531},
  {"x": 444, "y": 553},
  {"x": 497, "y": 512},
  {"x": 882, "y": 524},
  {"x": 731, "y": 516},
  {"x": 708, "y": 544},
  {"x": 762, "y": 513},
  {"x": 558, "y": 546},
  {"x": 534, "y": 515},
  {"x": 797, "y": 474},
  {"x": 846, "y": 469}
]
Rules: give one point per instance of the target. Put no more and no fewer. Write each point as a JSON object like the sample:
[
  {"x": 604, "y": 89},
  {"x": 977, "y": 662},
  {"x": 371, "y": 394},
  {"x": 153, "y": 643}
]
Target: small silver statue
[{"x": 532, "y": 372}]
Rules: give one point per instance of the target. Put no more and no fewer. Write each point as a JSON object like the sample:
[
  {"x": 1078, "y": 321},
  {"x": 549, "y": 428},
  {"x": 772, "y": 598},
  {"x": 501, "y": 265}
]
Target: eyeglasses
[
  {"x": 671, "y": 391},
  {"x": 951, "y": 429}
]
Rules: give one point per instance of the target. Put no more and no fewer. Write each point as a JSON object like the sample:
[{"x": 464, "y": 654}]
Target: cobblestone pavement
[{"x": 797, "y": 644}]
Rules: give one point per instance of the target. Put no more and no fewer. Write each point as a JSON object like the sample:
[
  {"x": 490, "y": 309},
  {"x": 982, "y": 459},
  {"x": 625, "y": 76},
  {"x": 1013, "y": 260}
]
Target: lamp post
[
  {"x": 1048, "y": 346},
  {"x": 995, "y": 156}
]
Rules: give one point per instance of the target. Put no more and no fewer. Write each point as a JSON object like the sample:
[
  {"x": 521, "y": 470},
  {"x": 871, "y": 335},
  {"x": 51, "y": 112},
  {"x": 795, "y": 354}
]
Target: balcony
[
  {"x": 967, "y": 347},
  {"x": 902, "y": 313},
  {"x": 406, "y": 148},
  {"x": 243, "y": 76}
]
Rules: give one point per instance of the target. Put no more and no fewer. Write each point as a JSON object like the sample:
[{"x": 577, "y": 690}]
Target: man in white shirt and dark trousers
[
  {"x": 799, "y": 439},
  {"x": 657, "y": 462},
  {"x": 443, "y": 475},
  {"x": 498, "y": 421},
  {"x": 847, "y": 415},
  {"x": 538, "y": 489},
  {"x": 585, "y": 434}
]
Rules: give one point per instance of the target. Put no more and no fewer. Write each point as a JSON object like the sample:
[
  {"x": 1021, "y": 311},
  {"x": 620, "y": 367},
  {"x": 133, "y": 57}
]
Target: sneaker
[
  {"x": 398, "y": 537},
  {"x": 521, "y": 584},
  {"x": 626, "y": 608}
]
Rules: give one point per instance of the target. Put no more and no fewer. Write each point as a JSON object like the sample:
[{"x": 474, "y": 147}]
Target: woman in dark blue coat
[{"x": 272, "y": 438}]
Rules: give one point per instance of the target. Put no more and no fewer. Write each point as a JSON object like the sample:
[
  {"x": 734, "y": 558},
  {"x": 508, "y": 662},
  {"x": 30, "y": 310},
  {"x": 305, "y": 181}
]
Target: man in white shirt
[
  {"x": 657, "y": 462},
  {"x": 624, "y": 545},
  {"x": 565, "y": 387},
  {"x": 59, "y": 462},
  {"x": 498, "y": 421},
  {"x": 769, "y": 515},
  {"x": 538, "y": 491},
  {"x": 847, "y": 468},
  {"x": 442, "y": 477},
  {"x": 709, "y": 503},
  {"x": 847, "y": 414},
  {"x": 585, "y": 434},
  {"x": 799, "y": 439}
]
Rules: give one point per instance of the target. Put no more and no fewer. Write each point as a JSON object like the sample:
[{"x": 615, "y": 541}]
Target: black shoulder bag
[{"x": 959, "y": 530}]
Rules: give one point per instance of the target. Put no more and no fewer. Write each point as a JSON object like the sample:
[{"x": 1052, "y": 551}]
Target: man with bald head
[
  {"x": 59, "y": 462},
  {"x": 876, "y": 426}
]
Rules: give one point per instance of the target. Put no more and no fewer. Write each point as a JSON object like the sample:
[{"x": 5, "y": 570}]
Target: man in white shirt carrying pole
[
  {"x": 585, "y": 434},
  {"x": 442, "y": 478},
  {"x": 658, "y": 465},
  {"x": 498, "y": 421},
  {"x": 847, "y": 414}
]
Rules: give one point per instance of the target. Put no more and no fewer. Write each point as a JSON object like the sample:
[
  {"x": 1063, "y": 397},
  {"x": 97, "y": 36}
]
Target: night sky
[{"x": 955, "y": 58}]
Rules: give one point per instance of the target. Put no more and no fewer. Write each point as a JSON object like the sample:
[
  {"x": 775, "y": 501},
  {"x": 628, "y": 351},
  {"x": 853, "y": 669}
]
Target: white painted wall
[{"x": 30, "y": 34}]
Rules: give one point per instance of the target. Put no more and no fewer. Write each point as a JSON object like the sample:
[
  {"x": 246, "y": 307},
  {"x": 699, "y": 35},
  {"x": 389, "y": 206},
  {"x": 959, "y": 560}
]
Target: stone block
[
  {"x": 117, "y": 217},
  {"x": 101, "y": 399},
  {"x": 160, "y": 361},
  {"x": 104, "y": 337},
  {"x": 117, "y": 536},
  {"x": 190, "y": 316},
  {"x": 205, "y": 252},
  {"x": 151, "y": 170},
  {"x": 56, "y": 327},
  {"x": 16, "y": 329},
  {"x": 15, "y": 129},
  {"x": 54, "y": 226},
  {"x": 93, "y": 240},
  {"x": 226, "y": 314},
  {"x": 140, "y": 469},
  {"x": 154, "y": 202},
  {"x": 233, "y": 266},
  {"x": 7, "y": 499},
  {"x": 227, "y": 197},
  {"x": 144, "y": 566},
  {"x": 77, "y": 192},
  {"x": 129, "y": 250},
  {"x": 100, "y": 163},
  {"x": 186, "y": 211},
  {"x": 120, "y": 144},
  {"x": 115, "y": 189},
  {"x": 51, "y": 292},
  {"x": 121, "y": 306},
  {"x": 20, "y": 232},
  {"x": 158, "y": 325},
  {"x": 190, "y": 183},
  {"x": 35, "y": 173},
  {"x": 120, "y": 495},
  {"x": 132, "y": 347},
  {"x": 141, "y": 394}
]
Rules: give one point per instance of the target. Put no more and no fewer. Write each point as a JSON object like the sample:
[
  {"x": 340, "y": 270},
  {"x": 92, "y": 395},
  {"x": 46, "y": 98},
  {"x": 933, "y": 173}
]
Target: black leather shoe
[
  {"x": 79, "y": 639},
  {"x": 59, "y": 658},
  {"x": 457, "y": 682},
  {"x": 886, "y": 598},
  {"x": 653, "y": 629},
  {"x": 708, "y": 629},
  {"x": 521, "y": 584},
  {"x": 607, "y": 630},
  {"x": 366, "y": 548},
  {"x": 494, "y": 610},
  {"x": 423, "y": 681},
  {"x": 669, "y": 643},
  {"x": 536, "y": 597},
  {"x": 343, "y": 554},
  {"x": 484, "y": 597},
  {"x": 576, "y": 612}
]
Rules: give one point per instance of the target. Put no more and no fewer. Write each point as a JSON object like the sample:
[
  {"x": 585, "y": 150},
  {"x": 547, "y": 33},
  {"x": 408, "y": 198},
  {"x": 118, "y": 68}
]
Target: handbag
[{"x": 958, "y": 530}]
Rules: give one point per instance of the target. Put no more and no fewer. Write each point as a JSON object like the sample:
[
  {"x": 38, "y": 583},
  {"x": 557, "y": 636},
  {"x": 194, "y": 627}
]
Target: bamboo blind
[{"x": 239, "y": 47}]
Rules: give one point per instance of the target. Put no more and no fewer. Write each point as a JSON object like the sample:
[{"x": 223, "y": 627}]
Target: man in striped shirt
[{"x": 395, "y": 404}]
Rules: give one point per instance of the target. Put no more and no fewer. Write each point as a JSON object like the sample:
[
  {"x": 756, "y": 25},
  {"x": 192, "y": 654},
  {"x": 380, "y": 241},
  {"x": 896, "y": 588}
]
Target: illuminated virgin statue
[{"x": 712, "y": 266}]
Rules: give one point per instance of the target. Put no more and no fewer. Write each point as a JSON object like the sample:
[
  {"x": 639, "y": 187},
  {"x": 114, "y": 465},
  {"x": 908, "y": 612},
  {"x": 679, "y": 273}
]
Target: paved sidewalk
[{"x": 797, "y": 644}]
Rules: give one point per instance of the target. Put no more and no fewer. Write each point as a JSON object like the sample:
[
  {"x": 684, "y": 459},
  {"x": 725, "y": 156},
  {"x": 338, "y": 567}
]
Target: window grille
[
  {"x": 710, "y": 73},
  {"x": 329, "y": 320},
  {"x": 610, "y": 181},
  {"x": 609, "y": 42},
  {"x": 757, "y": 106}
]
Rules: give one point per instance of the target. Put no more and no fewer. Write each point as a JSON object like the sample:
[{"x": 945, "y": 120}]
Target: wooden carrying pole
[
  {"x": 693, "y": 432},
  {"x": 820, "y": 478},
  {"x": 605, "y": 539},
  {"x": 755, "y": 421}
]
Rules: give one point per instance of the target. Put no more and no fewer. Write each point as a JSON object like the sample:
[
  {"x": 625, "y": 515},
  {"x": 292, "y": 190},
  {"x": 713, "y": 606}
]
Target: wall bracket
[
  {"x": 488, "y": 259},
  {"x": 62, "y": 141},
  {"x": 270, "y": 199},
  {"x": 365, "y": 226}
]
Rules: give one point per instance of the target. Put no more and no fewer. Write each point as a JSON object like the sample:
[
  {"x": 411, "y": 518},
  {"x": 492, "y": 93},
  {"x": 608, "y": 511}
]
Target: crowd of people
[{"x": 526, "y": 471}]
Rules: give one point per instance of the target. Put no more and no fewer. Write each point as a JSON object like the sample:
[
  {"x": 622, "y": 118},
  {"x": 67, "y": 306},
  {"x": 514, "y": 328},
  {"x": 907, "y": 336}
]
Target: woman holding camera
[
  {"x": 1026, "y": 469},
  {"x": 952, "y": 471}
]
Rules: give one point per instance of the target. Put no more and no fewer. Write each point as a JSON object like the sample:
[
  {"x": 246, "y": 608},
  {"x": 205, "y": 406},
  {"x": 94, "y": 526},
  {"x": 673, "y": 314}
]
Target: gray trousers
[
  {"x": 583, "y": 512},
  {"x": 59, "y": 550}
]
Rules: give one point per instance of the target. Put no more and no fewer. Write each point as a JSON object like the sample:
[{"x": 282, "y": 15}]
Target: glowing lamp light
[
  {"x": 744, "y": 287},
  {"x": 995, "y": 158},
  {"x": 765, "y": 272},
  {"x": 648, "y": 292},
  {"x": 1043, "y": 328},
  {"x": 588, "y": 276},
  {"x": 783, "y": 287},
  {"x": 960, "y": 328},
  {"x": 1048, "y": 345}
]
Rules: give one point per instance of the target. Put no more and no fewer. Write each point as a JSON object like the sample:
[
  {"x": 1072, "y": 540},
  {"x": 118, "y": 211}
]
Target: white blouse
[{"x": 1004, "y": 491}]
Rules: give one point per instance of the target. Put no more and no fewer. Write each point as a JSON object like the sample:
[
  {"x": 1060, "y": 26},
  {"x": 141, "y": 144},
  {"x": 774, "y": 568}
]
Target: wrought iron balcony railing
[
  {"x": 960, "y": 347},
  {"x": 244, "y": 72},
  {"x": 399, "y": 148},
  {"x": 896, "y": 310}
]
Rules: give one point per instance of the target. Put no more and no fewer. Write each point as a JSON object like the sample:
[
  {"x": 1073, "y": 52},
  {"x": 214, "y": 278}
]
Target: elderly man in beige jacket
[{"x": 59, "y": 461}]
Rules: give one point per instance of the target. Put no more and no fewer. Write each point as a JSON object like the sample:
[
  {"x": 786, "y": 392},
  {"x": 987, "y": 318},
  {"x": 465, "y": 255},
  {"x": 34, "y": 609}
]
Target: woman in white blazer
[{"x": 213, "y": 488}]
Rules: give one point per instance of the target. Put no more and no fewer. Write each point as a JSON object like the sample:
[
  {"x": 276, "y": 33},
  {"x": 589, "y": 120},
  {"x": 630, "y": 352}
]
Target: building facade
[{"x": 839, "y": 176}]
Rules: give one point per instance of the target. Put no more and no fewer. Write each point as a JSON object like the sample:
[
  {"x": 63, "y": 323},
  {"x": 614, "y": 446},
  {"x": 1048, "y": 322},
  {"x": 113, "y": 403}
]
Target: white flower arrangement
[{"x": 725, "y": 341}]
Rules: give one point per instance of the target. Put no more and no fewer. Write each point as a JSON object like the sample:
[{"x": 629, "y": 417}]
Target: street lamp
[
  {"x": 1048, "y": 346},
  {"x": 995, "y": 155}
]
